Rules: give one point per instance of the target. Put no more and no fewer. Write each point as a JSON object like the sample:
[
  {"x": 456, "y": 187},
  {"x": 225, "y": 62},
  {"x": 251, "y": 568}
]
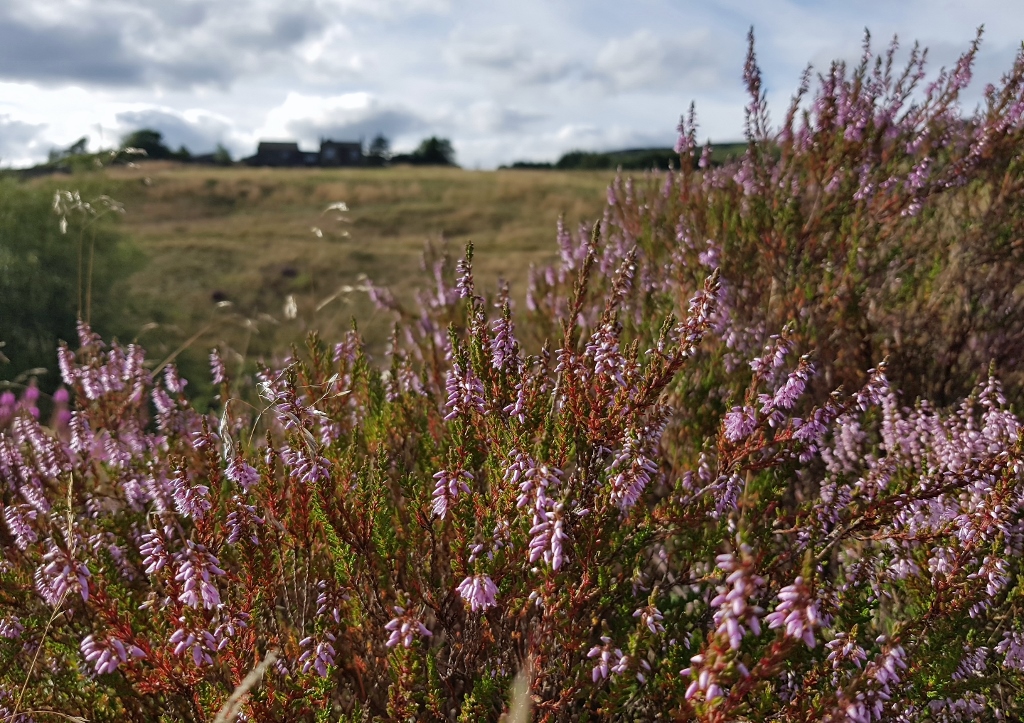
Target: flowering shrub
[{"x": 640, "y": 499}]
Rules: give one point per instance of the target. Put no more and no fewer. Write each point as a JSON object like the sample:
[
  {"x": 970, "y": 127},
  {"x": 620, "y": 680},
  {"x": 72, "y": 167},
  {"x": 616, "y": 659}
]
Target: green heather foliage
[{"x": 639, "y": 498}]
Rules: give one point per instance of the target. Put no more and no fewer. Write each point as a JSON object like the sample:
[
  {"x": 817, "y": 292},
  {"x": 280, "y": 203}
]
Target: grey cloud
[
  {"x": 49, "y": 53},
  {"x": 490, "y": 117},
  {"x": 173, "y": 45},
  {"x": 199, "y": 135},
  {"x": 18, "y": 139},
  {"x": 645, "y": 61},
  {"x": 358, "y": 123},
  {"x": 507, "y": 53}
]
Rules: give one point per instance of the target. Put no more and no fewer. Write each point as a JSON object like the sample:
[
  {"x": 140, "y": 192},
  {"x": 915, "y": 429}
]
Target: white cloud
[
  {"x": 503, "y": 80},
  {"x": 645, "y": 61}
]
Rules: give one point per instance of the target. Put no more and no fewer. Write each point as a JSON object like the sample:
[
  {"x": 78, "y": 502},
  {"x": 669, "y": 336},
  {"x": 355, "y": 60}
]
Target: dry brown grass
[{"x": 245, "y": 234}]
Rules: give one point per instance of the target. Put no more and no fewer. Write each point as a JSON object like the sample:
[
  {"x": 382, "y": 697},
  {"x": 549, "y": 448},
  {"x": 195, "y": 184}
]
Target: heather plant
[
  {"x": 634, "y": 501},
  {"x": 880, "y": 219}
]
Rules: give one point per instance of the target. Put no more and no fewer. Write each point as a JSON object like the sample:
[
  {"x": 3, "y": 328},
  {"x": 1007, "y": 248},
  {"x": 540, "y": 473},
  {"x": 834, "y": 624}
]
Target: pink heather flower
[
  {"x": 106, "y": 655},
  {"x": 197, "y": 566},
  {"x": 610, "y": 660},
  {"x": 705, "y": 680},
  {"x": 217, "y": 370},
  {"x": 603, "y": 348},
  {"x": 479, "y": 591},
  {"x": 311, "y": 468},
  {"x": 735, "y": 615},
  {"x": 465, "y": 392},
  {"x": 201, "y": 643},
  {"x": 242, "y": 521},
  {"x": 843, "y": 649},
  {"x": 329, "y": 602},
  {"x": 547, "y": 531},
  {"x": 797, "y": 611},
  {"x": 173, "y": 381},
  {"x": 651, "y": 617},
  {"x": 447, "y": 489},
  {"x": 19, "y": 521},
  {"x": 317, "y": 657},
  {"x": 402, "y": 628},
  {"x": 11, "y": 627},
  {"x": 154, "y": 552},
  {"x": 705, "y": 157},
  {"x": 242, "y": 474},
  {"x": 1011, "y": 647},
  {"x": 504, "y": 347},
  {"x": 192, "y": 500},
  {"x": 786, "y": 395},
  {"x": 739, "y": 423},
  {"x": 517, "y": 409},
  {"x": 633, "y": 467},
  {"x": 60, "y": 574},
  {"x": 464, "y": 278}
]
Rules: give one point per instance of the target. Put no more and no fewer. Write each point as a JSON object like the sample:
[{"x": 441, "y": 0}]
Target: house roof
[{"x": 277, "y": 146}]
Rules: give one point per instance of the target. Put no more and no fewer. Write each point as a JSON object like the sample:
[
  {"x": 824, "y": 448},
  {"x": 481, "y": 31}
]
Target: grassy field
[{"x": 253, "y": 237}]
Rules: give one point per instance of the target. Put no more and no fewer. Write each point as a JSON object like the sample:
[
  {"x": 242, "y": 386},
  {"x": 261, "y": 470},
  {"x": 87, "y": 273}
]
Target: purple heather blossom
[
  {"x": 547, "y": 531},
  {"x": 517, "y": 409},
  {"x": 651, "y": 617},
  {"x": 610, "y": 660},
  {"x": 105, "y": 655},
  {"x": 447, "y": 489},
  {"x": 242, "y": 521},
  {"x": 217, "y": 370},
  {"x": 402, "y": 628},
  {"x": 464, "y": 278},
  {"x": 329, "y": 601},
  {"x": 465, "y": 392},
  {"x": 1011, "y": 647},
  {"x": 317, "y": 655},
  {"x": 479, "y": 591},
  {"x": 739, "y": 423},
  {"x": 192, "y": 500},
  {"x": 603, "y": 348},
  {"x": 19, "y": 520},
  {"x": 310, "y": 467},
  {"x": 735, "y": 615},
  {"x": 196, "y": 566},
  {"x": 199, "y": 642},
  {"x": 60, "y": 574},
  {"x": 633, "y": 467},
  {"x": 705, "y": 680},
  {"x": 504, "y": 347},
  {"x": 242, "y": 474},
  {"x": 154, "y": 551},
  {"x": 11, "y": 627},
  {"x": 173, "y": 381},
  {"x": 844, "y": 649},
  {"x": 797, "y": 611},
  {"x": 705, "y": 157}
]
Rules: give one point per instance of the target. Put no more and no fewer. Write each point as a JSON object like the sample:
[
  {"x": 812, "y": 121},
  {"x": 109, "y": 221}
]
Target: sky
[{"x": 504, "y": 80}]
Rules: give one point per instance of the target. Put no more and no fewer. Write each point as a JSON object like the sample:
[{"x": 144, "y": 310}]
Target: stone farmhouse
[{"x": 288, "y": 154}]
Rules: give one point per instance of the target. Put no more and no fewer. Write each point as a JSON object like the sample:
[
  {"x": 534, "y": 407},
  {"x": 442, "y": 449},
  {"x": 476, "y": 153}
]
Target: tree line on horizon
[{"x": 433, "y": 151}]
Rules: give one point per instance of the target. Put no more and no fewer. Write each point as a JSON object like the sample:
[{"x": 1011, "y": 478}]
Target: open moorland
[
  {"x": 752, "y": 452},
  {"x": 225, "y": 248}
]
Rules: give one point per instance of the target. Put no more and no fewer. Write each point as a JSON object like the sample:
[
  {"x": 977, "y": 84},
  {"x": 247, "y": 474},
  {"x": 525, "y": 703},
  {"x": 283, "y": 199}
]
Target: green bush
[{"x": 50, "y": 276}]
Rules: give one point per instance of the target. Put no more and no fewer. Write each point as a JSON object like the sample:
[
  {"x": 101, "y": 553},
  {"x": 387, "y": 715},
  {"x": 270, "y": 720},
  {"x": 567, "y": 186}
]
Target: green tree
[
  {"x": 222, "y": 156},
  {"x": 148, "y": 140},
  {"x": 435, "y": 151}
]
